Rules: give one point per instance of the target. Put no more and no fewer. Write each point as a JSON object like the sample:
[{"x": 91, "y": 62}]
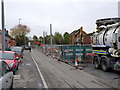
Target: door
[{"x": 7, "y": 76}]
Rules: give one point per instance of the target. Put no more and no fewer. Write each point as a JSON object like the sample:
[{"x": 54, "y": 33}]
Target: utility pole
[
  {"x": 19, "y": 20},
  {"x": 51, "y": 34},
  {"x": 22, "y": 32},
  {"x": 3, "y": 26},
  {"x": 51, "y": 37},
  {"x": 43, "y": 38}
]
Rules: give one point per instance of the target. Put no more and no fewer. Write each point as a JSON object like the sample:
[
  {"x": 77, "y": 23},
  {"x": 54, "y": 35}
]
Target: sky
[{"x": 64, "y": 15}]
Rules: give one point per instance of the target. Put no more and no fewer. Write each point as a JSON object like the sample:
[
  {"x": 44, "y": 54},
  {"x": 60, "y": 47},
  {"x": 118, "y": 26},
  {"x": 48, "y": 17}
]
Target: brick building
[
  {"x": 86, "y": 38},
  {"x": 9, "y": 41}
]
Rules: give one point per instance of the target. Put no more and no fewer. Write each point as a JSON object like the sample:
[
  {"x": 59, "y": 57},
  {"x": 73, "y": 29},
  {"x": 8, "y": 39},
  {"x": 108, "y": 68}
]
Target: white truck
[{"x": 106, "y": 44}]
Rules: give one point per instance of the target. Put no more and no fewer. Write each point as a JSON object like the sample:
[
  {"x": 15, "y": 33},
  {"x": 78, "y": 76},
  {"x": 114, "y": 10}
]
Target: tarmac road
[
  {"x": 60, "y": 75},
  {"x": 55, "y": 74},
  {"x": 112, "y": 77}
]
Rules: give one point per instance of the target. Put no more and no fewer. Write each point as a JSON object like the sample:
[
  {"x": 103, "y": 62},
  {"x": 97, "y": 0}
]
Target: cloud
[{"x": 65, "y": 15}]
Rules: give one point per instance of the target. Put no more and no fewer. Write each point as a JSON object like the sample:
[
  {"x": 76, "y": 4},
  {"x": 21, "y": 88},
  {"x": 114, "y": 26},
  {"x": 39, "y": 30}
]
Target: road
[
  {"x": 60, "y": 75},
  {"x": 112, "y": 77},
  {"x": 54, "y": 74}
]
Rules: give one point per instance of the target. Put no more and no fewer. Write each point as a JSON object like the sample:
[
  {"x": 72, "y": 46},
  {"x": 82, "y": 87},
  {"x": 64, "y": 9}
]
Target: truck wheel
[
  {"x": 97, "y": 66},
  {"x": 104, "y": 64}
]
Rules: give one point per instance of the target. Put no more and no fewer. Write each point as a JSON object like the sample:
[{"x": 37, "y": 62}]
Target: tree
[
  {"x": 66, "y": 38},
  {"x": 19, "y": 33},
  {"x": 41, "y": 39},
  {"x": 35, "y": 38},
  {"x": 47, "y": 39},
  {"x": 57, "y": 38},
  {"x": 21, "y": 40},
  {"x": 19, "y": 30}
]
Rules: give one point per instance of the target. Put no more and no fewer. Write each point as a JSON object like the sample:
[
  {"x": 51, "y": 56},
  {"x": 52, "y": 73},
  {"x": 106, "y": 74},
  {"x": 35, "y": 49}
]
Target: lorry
[{"x": 106, "y": 44}]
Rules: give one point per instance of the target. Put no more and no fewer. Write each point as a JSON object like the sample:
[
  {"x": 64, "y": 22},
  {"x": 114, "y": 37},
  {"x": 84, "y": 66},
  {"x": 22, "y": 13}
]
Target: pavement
[{"x": 27, "y": 75}]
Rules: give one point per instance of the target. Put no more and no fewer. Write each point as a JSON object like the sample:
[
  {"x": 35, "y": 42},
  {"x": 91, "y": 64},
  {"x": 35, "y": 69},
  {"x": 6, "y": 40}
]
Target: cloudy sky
[{"x": 64, "y": 15}]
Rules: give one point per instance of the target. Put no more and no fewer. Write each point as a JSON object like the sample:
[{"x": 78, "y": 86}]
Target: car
[
  {"x": 25, "y": 47},
  {"x": 19, "y": 53},
  {"x": 6, "y": 76},
  {"x": 11, "y": 59}
]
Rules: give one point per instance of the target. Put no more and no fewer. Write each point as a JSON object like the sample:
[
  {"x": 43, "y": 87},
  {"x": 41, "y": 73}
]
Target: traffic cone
[
  {"x": 46, "y": 54},
  {"x": 58, "y": 58},
  {"x": 53, "y": 56},
  {"x": 76, "y": 64}
]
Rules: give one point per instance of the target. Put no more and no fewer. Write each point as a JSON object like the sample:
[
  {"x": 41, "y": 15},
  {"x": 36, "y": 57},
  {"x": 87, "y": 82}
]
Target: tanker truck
[{"x": 106, "y": 44}]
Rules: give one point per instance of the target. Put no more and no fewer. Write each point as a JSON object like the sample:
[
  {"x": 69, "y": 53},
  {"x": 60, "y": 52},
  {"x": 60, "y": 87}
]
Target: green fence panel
[{"x": 70, "y": 52}]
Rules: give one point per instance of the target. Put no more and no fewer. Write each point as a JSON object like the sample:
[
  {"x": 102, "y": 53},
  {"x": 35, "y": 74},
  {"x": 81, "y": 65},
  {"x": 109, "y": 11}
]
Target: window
[
  {"x": 16, "y": 49},
  {"x": 7, "y": 56},
  {"x": 91, "y": 38},
  {"x": 5, "y": 68}
]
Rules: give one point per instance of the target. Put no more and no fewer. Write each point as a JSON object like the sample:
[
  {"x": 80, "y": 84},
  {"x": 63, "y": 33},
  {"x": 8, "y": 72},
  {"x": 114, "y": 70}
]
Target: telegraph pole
[
  {"x": 51, "y": 37},
  {"x": 19, "y": 20},
  {"x": 43, "y": 38},
  {"x": 51, "y": 34},
  {"x": 3, "y": 26}
]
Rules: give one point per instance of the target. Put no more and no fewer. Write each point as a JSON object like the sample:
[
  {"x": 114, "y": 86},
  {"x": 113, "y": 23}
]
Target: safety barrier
[{"x": 69, "y": 53}]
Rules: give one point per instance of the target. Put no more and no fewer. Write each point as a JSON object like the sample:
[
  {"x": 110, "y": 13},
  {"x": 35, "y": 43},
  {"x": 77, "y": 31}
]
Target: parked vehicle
[
  {"x": 106, "y": 44},
  {"x": 6, "y": 76},
  {"x": 26, "y": 47},
  {"x": 19, "y": 53},
  {"x": 11, "y": 59}
]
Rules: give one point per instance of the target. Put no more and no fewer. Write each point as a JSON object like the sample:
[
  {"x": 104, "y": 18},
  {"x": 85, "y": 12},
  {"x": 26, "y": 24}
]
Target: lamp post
[
  {"x": 3, "y": 26},
  {"x": 19, "y": 20},
  {"x": 51, "y": 38}
]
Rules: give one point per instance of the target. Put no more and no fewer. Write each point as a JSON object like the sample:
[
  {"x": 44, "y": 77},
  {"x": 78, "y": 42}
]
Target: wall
[
  {"x": 88, "y": 39},
  {"x": 8, "y": 42}
]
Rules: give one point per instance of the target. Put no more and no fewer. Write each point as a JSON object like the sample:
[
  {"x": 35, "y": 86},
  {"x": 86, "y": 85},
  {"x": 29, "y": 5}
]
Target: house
[
  {"x": 85, "y": 38},
  {"x": 9, "y": 41},
  {"x": 88, "y": 39}
]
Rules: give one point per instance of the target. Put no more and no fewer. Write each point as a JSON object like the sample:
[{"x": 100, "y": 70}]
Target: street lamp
[
  {"x": 3, "y": 26},
  {"x": 19, "y": 20}
]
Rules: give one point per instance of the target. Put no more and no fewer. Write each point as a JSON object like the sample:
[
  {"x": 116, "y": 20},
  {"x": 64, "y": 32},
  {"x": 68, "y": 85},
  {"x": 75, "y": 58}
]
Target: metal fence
[{"x": 68, "y": 53}]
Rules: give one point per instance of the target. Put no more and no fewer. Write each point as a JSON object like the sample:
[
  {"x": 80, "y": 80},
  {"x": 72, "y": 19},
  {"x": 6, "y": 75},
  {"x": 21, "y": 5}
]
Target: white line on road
[{"x": 43, "y": 80}]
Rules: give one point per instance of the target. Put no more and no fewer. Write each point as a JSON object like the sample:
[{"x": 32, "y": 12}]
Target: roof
[
  {"x": 77, "y": 31},
  {"x": 7, "y": 52},
  {"x": 6, "y": 34}
]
